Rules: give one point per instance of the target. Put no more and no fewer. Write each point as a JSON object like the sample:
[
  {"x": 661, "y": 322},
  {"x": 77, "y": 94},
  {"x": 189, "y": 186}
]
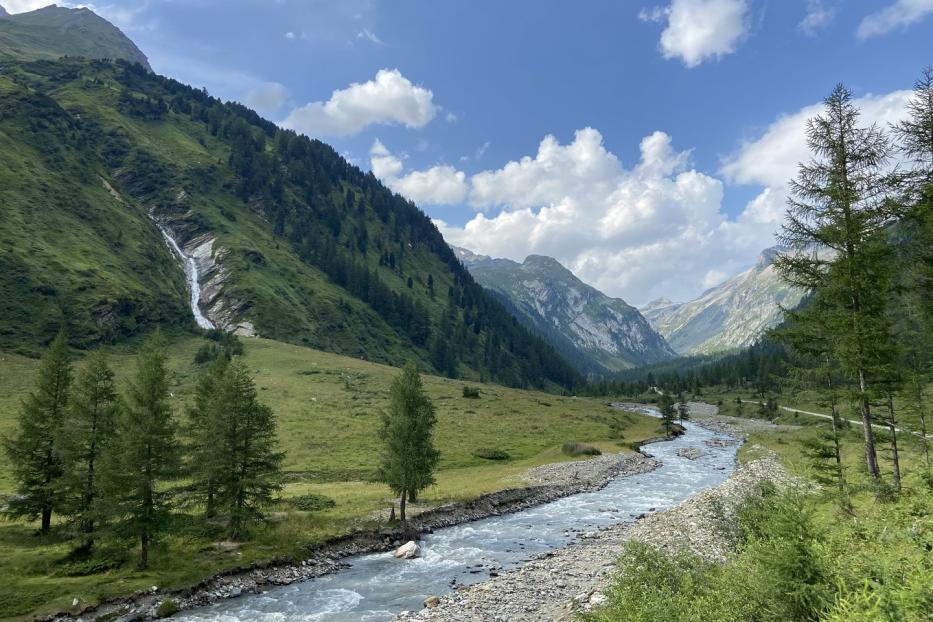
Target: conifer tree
[
  {"x": 205, "y": 433},
  {"x": 251, "y": 470},
  {"x": 683, "y": 412},
  {"x": 145, "y": 454},
  {"x": 87, "y": 436},
  {"x": 668, "y": 412},
  {"x": 409, "y": 457},
  {"x": 838, "y": 202},
  {"x": 33, "y": 449}
]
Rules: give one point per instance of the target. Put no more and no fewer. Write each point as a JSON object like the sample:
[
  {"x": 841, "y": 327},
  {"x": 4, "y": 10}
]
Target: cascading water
[
  {"x": 191, "y": 275},
  {"x": 377, "y": 586}
]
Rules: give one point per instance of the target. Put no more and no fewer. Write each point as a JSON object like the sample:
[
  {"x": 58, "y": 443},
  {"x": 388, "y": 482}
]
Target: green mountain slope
[
  {"x": 53, "y": 32},
  {"x": 598, "y": 334},
  {"x": 291, "y": 241}
]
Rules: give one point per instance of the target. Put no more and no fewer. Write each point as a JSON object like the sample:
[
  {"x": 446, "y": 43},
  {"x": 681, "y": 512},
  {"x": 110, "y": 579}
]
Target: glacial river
[{"x": 377, "y": 586}]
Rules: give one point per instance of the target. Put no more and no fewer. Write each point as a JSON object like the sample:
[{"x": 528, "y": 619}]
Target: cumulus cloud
[
  {"x": 772, "y": 158},
  {"x": 700, "y": 30},
  {"x": 900, "y": 14},
  {"x": 22, "y": 6},
  {"x": 390, "y": 98},
  {"x": 267, "y": 98},
  {"x": 439, "y": 185},
  {"x": 655, "y": 227},
  {"x": 819, "y": 15}
]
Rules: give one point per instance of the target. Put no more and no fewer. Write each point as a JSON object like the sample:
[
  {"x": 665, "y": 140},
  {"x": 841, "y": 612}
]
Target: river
[{"x": 377, "y": 586}]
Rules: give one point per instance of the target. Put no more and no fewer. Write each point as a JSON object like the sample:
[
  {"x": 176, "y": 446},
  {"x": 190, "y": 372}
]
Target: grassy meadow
[{"x": 328, "y": 410}]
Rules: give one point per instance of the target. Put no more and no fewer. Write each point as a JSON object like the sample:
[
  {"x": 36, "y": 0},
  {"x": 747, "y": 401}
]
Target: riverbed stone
[{"x": 409, "y": 550}]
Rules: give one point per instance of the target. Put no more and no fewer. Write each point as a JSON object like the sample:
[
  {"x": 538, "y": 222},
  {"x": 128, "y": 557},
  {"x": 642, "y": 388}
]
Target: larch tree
[
  {"x": 146, "y": 452},
  {"x": 251, "y": 471},
  {"x": 33, "y": 449},
  {"x": 409, "y": 457},
  {"x": 668, "y": 412},
  {"x": 206, "y": 434},
  {"x": 86, "y": 437},
  {"x": 836, "y": 209}
]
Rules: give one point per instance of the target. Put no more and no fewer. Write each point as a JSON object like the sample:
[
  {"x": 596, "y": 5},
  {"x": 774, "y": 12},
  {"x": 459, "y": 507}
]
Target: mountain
[
  {"x": 731, "y": 315},
  {"x": 52, "y": 32},
  {"x": 599, "y": 334},
  {"x": 113, "y": 179}
]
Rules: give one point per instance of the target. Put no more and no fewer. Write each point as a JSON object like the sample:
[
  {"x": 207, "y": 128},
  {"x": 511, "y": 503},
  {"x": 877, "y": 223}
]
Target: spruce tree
[
  {"x": 87, "y": 436},
  {"x": 409, "y": 457},
  {"x": 838, "y": 202},
  {"x": 683, "y": 411},
  {"x": 251, "y": 470},
  {"x": 145, "y": 453},
  {"x": 33, "y": 450}
]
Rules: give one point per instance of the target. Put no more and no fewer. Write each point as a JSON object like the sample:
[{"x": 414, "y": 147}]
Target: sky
[{"x": 646, "y": 145}]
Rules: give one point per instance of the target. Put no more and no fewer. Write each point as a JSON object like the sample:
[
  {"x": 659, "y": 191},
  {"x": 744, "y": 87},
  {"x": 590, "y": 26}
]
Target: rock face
[
  {"x": 596, "y": 333},
  {"x": 409, "y": 550},
  {"x": 731, "y": 315}
]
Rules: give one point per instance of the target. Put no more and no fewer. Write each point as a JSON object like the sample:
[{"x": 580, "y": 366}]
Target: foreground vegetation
[{"x": 328, "y": 411}]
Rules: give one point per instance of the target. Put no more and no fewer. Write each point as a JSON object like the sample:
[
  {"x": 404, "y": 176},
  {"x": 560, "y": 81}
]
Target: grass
[{"x": 328, "y": 408}]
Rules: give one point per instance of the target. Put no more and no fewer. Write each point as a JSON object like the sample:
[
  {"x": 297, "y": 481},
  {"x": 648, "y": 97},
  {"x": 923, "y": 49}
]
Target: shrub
[
  {"x": 580, "y": 449},
  {"x": 311, "y": 502},
  {"x": 471, "y": 392},
  {"x": 490, "y": 454},
  {"x": 166, "y": 608}
]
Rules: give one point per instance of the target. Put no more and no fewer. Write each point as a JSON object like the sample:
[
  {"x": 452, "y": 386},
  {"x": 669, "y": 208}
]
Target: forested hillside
[{"x": 300, "y": 245}]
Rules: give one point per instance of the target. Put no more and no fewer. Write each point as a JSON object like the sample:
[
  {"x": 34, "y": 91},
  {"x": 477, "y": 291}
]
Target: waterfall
[{"x": 191, "y": 276}]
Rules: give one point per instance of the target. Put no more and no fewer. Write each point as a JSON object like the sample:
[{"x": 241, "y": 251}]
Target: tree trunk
[
  {"x": 401, "y": 507},
  {"x": 46, "y": 519},
  {"x": 413, "y": 495},
  {"x": 871, "y": 457},
  {"x": 892, "y": 425},
  {"x": 144, "y": 550},
  {"x": 210, "y": 511}
]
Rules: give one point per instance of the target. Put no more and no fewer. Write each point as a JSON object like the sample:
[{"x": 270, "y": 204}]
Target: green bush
[
  {"x": 311, "y": 502},
  {"x": 490, "y": 454},
  {"x": 471, "y": 392},
  {"x": 166, "y": 608},
  {"x": 580, "y": 449}
]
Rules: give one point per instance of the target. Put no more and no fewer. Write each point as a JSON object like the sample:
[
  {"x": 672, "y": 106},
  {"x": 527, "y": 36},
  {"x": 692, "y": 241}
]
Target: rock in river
[{"x": 409, "y": 550}]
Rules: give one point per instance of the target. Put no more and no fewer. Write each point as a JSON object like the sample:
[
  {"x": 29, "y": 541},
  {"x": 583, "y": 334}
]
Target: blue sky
[{"x": 673, "y": 122}]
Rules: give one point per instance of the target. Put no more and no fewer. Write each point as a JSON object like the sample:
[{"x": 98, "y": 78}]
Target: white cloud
[
  {"x": 771, "y": 159},
  {"x": 451, "y": 117},
  {"x": 390, "y": 98},
  {"x": 637, "y": 232},
  {"x": 700, "y": 30},
  {"x": 900, "y": 14},
  {"x": 22, "y": 6},
  {"x": 289, "y": 35},
  {"x": 267, "y": 98},
  {"x": 819, "y": 15},
  {"x": 370, "y": 36},
  {"x": 439, "y": 185}
]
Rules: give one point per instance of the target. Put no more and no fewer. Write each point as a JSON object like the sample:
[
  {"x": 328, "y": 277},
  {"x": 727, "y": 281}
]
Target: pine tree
[
  {"x": 145, "y": 454},
  {"x": 409, "y": 457},
  {"x": 205, "y": 433},
  {"x": 87, "y": 436},
  {"x": 252, "y": 465},
  {"x": 838, "y": 202},
  {"x": 33, "y": 450}
]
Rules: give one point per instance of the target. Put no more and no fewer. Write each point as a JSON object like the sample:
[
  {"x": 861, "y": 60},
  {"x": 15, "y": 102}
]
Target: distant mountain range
[
  {"x": 596, "y": 333},
  {"x": 731, "y": 315},
  {"x": 52, "y": 32}
]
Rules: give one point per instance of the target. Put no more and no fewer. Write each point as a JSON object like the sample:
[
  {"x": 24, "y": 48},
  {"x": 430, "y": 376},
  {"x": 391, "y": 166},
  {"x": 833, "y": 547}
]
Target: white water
[
  {"x": 377, "y": 586},
  {"x": 191, "y": 275}
]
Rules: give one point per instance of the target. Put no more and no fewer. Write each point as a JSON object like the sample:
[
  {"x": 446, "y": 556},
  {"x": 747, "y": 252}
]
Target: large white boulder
[{"x": 409, "y": 550}]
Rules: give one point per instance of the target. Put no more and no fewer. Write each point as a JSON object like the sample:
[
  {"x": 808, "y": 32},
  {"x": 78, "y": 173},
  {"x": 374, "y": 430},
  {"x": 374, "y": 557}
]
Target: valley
[{"x": 295, "y": 323}]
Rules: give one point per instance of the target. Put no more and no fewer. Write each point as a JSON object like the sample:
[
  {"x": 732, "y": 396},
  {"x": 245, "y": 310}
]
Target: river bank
[
  {"x": 546, "y": 483},
  {"x": 560, "y": 584}
]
